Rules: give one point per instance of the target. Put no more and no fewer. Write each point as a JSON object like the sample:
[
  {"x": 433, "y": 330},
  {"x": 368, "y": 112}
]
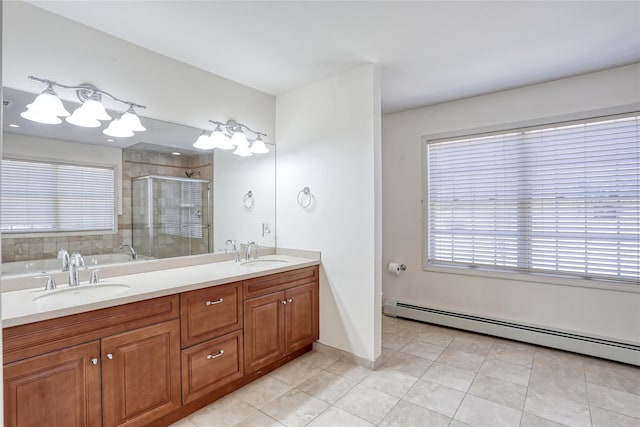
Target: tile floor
[{"x": 435, "y": 376}]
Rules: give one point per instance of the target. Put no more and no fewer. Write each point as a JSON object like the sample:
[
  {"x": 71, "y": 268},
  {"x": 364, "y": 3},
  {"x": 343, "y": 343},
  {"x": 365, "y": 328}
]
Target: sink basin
[
  {"x": 81, "y": 293},
  {"x": 262, "y": 263}
]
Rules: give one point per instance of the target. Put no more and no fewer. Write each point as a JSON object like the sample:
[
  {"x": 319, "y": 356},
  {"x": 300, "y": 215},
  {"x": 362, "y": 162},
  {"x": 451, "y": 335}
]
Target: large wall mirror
[{"x": 170, "y": 199}]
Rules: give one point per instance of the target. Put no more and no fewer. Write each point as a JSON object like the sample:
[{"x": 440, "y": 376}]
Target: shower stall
[{"x": 170, "y": 216}]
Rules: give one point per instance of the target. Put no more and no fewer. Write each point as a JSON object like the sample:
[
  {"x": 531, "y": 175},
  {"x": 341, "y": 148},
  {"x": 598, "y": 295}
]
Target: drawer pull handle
[
  {"x": 215, "y": 356},
  {"x": 290, "y": 300},
  {"x": 214, "y": 302},
  {"x": 109, "y": 356},
  {"x": 94, "y": 361}
]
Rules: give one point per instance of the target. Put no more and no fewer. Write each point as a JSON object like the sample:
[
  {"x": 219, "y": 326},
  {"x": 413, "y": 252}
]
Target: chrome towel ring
[
  {"x": 305, "y": 198},
  {"x": 248, "y": 200}
]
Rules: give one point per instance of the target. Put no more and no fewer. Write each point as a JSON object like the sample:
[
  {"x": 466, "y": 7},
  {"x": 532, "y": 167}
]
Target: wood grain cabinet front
[
  {"x": 210, "y": 365},
  {"x": 61, "y": 388},
  {"x": 141, "y": 375},
  {"x": 279, "y": 323},
  {"x": 211, "y": 312}
]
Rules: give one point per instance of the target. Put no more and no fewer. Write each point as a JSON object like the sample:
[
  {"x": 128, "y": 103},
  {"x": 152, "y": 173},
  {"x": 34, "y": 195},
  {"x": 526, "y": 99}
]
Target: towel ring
[
  {"x": 301, "y": 195},
  {"x": 248, "y": 200}
]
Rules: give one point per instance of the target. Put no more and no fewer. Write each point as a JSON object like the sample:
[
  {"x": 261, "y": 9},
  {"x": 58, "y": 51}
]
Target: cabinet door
[
  {"x": 211, "y": 312},
  {"x": 61, "y": 388},
  {"x": 210, "y": 365},
  {"x": 263, "y": 331},
  {"x": 301, "y": 318},
  {"x": 141, "y": 374}
]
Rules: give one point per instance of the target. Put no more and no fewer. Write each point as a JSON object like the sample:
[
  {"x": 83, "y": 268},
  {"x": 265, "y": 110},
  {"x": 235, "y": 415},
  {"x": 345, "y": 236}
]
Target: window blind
[
  {"x": 561, "y": 199},
  {"x": 41, "y": 197}
]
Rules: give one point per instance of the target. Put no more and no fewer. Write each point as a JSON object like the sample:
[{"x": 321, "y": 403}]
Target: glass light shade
[
  {"x": 34, "y": 116},
  {"x": 204, "y": 142},
  {"x": 220, "y": 140},
  {"x": 94, "y": 109},
  {"x": 78, "y": 118},
  {"x": 239, "y": 139},
  {"x": 48, "y": 103},
  {"x": 117, "y": 129},
  {"x": 258, "y": 146},
  {"x": 131, "y": 121},
  {"x": 243, "y": 151}
]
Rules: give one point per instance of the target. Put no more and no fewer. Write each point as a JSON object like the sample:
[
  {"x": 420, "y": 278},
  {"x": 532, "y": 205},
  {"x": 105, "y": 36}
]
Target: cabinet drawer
[
  {"x": 210, "y": 365},
  {"x": 280, "y": 281},
  {"x": 211, "y": 312},
  {"x": 28, "y": 340}
]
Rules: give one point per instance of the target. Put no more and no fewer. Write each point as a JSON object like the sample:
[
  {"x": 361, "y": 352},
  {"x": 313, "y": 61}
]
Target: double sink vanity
[{"x": 149, "y": 348}]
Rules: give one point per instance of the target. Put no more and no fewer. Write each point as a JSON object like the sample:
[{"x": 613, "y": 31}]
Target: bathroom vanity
[{"x": 153, "y": 354}]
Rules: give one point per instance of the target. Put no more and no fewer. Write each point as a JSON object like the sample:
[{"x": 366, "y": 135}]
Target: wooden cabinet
[
  {"x": 211, "y": 365},
  {"x": 211, "y": 312},
  {"x": 141, "y": 374},
  {"x": 212, "y": 354},
  {"x": 153, "y": 362},
  {"x": 281, "y": 322},
  {"x": 61, "y": 388}
]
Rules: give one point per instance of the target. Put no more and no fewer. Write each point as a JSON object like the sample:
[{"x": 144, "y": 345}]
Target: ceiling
[{"x": 429, "y": 51}]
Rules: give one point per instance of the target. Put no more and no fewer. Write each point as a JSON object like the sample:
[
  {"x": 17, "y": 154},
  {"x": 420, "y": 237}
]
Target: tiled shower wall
[{"x": 134, "y": 163}]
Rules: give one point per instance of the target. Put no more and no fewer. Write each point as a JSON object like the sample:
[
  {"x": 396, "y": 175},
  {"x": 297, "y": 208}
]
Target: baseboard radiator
[{"x": 593, "y": 346}]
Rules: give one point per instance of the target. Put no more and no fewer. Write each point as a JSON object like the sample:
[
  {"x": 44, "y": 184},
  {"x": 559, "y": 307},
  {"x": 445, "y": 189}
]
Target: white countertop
[{"x": 18, "y": 307}]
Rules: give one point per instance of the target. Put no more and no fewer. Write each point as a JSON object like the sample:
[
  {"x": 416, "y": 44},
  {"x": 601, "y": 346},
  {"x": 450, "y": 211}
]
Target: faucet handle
[
  {"x": 94, "y": 276},
  {"x": 258, "y": 247},
  {"x": 51, "y": 282}
]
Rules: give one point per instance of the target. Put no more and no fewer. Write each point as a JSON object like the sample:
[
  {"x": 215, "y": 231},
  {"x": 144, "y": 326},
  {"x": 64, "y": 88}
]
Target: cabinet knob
[
  {"x": 218, "y": 301},
  {"x": 109, "y": 356},
  {"x": 284, "y": 302},
  {"x": 290, "y": 300},
  {"x": 215, "y": 356},
  {"x": 94, "y": 361}
]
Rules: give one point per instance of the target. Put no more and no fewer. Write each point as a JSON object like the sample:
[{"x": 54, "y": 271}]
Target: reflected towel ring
[
  {"x": 305, "y": 192},
  {"x": 248, "y": 200}
]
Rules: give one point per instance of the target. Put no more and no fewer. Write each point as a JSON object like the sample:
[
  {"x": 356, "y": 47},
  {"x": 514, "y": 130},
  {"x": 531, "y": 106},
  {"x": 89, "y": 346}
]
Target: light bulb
[
  {"x": 239, "y": 139},
  {"x": 243, "y": 151},
  {"x": 258, "y": 146},
  {"x": 204, "y": 142},
  {"x": 131, "y": 121},
  {"x": 117, "y": 129}
]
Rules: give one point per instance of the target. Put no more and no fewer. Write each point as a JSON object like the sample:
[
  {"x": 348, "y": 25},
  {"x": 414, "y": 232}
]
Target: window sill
[{"x": 548, "y": 279}]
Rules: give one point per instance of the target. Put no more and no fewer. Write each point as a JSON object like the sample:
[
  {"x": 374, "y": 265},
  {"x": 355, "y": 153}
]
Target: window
[
  {"x": 42, "y": 197},
  {"x": 561, "y": 199}
]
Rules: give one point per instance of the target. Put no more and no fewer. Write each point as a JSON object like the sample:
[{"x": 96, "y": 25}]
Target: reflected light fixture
[
  {"x": 204, "y": 142},
  {"x": 232, "y": 136},
  {"x": 48, "y": 108}
]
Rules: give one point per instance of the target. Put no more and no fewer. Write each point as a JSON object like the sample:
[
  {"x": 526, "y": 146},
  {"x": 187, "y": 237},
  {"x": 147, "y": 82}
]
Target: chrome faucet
[
  {"x": 234, "y": 248},
  {"x": 74, "y": 272},
  {"x": 133, "y": 255},
  {"x": 256, "y": 248},
  {"x": 64, "y": 256}
]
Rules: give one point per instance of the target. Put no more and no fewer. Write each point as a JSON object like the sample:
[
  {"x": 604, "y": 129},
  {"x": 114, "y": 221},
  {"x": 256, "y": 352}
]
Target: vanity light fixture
[
  {"x": 48, "y": 108},
  {"x": 231, "y": 135},
  {"x": 204, "y": 142}
]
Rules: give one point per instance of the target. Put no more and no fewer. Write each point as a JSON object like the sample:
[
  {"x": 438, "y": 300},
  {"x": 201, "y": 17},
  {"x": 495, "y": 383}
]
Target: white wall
[
  {"x": 328, "y": 139},
  {"x": 606, "y": 313},
  {"x": 39, "y": 43},
  {"x": 233, "y": 177}
]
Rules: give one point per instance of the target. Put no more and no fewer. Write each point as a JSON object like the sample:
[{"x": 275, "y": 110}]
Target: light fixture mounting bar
[
  {"x": 86, "y": 88},
  {"x": 231, "y": 125}
]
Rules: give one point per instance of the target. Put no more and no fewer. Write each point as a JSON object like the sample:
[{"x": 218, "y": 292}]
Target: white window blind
[
  {"x": 42, "y": 197},
  {"x": 560, "y": 199}
]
